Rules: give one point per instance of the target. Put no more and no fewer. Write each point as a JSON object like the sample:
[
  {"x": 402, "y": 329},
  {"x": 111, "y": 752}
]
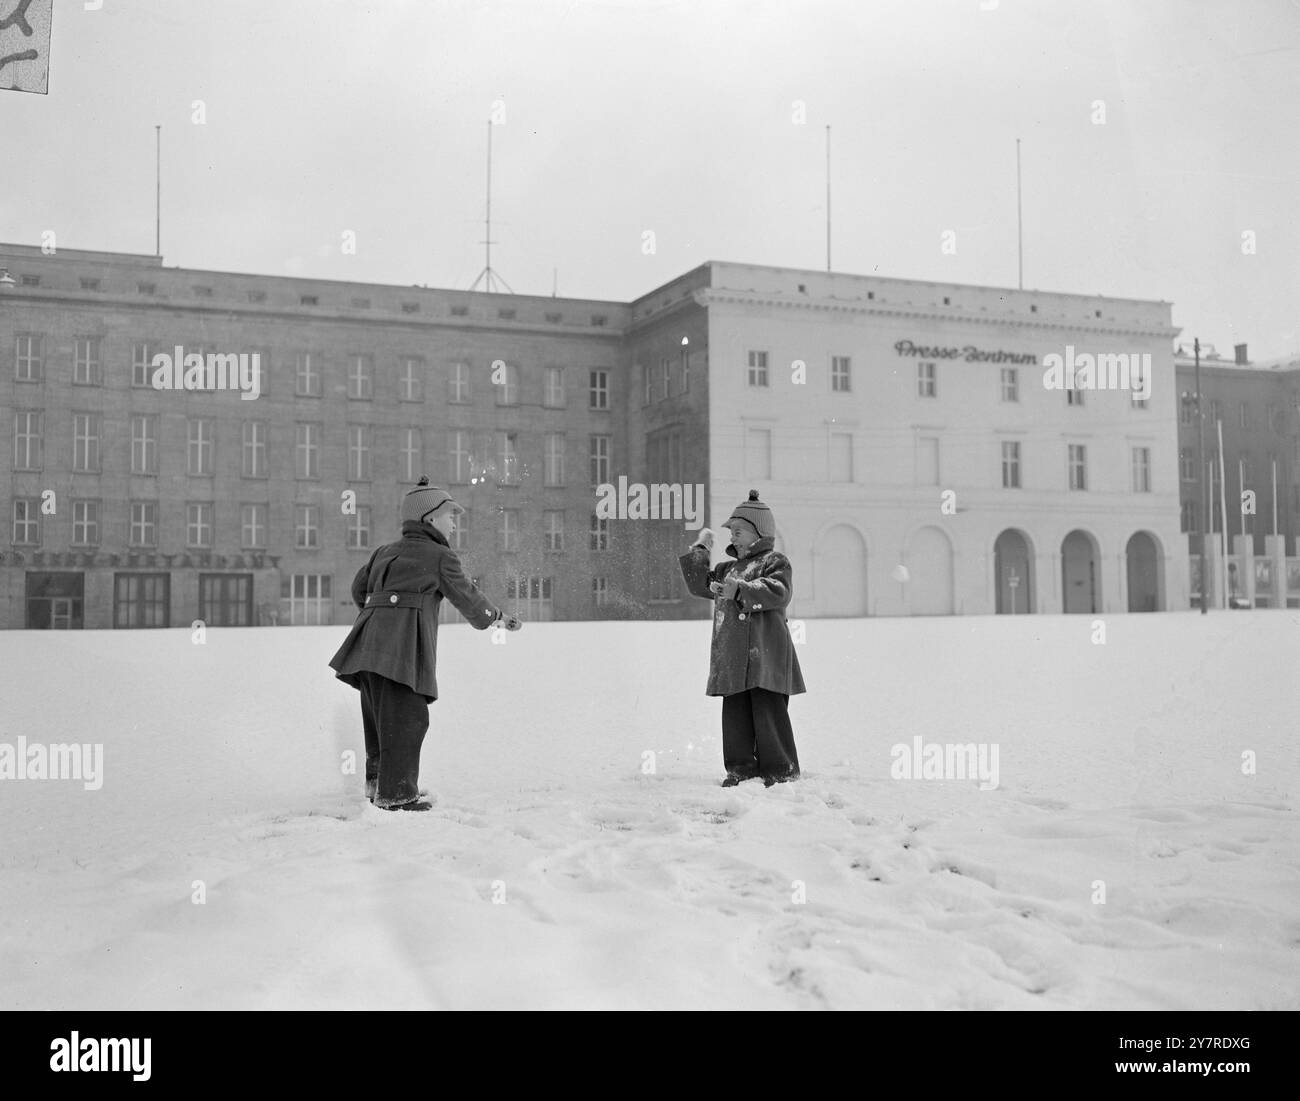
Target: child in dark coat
[
  {"x": 752, "y": 663},
  {"x": 390, "y": 655}
]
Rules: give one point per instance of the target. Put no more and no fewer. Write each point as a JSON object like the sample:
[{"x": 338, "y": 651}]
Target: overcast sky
[{"x": 679, "y": 117}]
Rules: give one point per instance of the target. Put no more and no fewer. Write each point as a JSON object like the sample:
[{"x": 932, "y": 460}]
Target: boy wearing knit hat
[
  {"x": 390, "y": 654},
  {"x": 752, "y": 663}
]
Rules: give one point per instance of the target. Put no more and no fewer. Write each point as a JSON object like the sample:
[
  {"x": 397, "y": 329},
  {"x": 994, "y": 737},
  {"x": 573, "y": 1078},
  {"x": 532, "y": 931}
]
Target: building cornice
[{"x": 711, "y": 295}]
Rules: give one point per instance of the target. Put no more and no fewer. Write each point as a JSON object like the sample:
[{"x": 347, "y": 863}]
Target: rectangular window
[
  {"x": 141, "y": 364},
  {"x": 686, "y": 369},
  {"x": 1010, "y": 384},
  {"x": 1078, "y": 457},
  {"x": 226, "y": 599},
  {"x": 27, "y": 522},
  {"x": 306, "y": 527},
  {"x": 1010, "y": 464},
  {"x": 359, "y": 452},
  {"x": 1073, "y": 397},
  {"x": 553, "y": 460},
  {"x": 252, "y": 526},
  {"x": 1141, "y": 470},
  {"x": 411, "y": 379},
  {"x": 508, "y": 388},
  {"x": 1243, "y": 415},
  {"x": 307, "y": 451},
  {"x": 841, "y": 457},
  {"x": 305, "y": 599},
  {"x": 840, "y": 374},
  {"x": 29, "y": 364},
  {"x": 141, "y": 600},
  {"x": 459, "y": 457},
  {"x": 1186, "y": 465},
  {"x": 144, "y": 444},
  {"x": 254, "y": 450},
  {"x": 359, "y": 529},
  {"x": 600, "y": 591},
  {"x": 1188, "y": 412},
  {"x": 412, "y": 454},
  {"x": 144, "y": 524},
  {"x": 1216, "y": 411},
  {"x": 509, "y": 529},
  {"x": 758, "y": 454},
  {"x": 1139, "y": 383},
  {"x": 599, "y": 534},
  {"x": 307, "y": 381},
  {"x": 508, "y": 458},
  {"x": 553, "y": 397},
  {"x": 530, "y": 597},
  {"x": 598, "y": 393},
  {"x": 85, "y": 523},
  {"x": 201, "y": 442},
  {"x": 648, "y": 380},
  {"x": 198, "y": 524},
  {"x": 665, "y": 380},
  {"x": 85, "y": 442},
  {"x": 757, "y": 375},
  {"x": 553, "y": 529},
  {"x": 29, "y": 440},
  {"x": 85, "y": 361},
  {"x": 460, "y": 537},
  {"x": 458, "y": 383},
  {"x": 599, "y": 454},
  {"x": 1187, "y": 519},
  {"x": 927, "y": 380},
  {"x": 361, "y": 378}
]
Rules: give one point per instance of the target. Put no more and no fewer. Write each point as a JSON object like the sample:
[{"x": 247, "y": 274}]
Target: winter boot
[{"x": 418, "y": 804}]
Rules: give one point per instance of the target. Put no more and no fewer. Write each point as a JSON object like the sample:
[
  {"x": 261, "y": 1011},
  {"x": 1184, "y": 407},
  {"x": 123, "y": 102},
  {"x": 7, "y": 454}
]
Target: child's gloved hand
[
  {"x": 509, "y": 622},
  {"x": 729, "y": 587},
  {"x": 705, "y": 540}
]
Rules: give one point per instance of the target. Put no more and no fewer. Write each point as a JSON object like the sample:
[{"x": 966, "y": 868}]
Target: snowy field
[{"x": 555, "y": 872}]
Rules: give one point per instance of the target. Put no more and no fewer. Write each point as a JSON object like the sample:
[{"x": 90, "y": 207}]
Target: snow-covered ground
[{"x": 556, "y": 872}]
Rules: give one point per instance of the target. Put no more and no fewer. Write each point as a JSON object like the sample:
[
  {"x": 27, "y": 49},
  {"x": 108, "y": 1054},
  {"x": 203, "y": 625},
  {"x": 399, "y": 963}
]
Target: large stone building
[{"x": 902, "y": 431}]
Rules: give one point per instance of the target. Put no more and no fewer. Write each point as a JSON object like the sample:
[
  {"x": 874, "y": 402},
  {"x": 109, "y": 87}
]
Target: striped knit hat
[
  {"x": 424, "y": 499},
  {"x": 755, "y": 513}
]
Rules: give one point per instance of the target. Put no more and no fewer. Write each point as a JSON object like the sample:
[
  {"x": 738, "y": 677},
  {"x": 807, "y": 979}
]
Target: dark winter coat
[
  {"x": 751, "y": 646},
  {"x": 399, "y": 592}
]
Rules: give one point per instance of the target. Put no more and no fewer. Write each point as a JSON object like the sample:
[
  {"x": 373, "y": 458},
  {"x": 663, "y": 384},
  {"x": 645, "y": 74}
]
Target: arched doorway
[
  {"x": 1013, "y": 572},
  {"x": 1143, "y": 560},
  {"x": 929, "y": 563},
  {"x": 1079, "y": 581},
  {"x": 840, "y": 572}
]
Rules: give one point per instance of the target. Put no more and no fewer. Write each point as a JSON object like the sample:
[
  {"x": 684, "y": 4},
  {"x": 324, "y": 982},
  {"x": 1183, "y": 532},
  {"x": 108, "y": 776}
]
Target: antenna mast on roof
[{"x": 487, "y": 276}]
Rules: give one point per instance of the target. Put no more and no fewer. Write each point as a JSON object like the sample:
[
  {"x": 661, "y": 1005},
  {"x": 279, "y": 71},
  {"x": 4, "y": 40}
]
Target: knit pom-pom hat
[
  {"x": 754, "y": 512},
  {"x": 424, "y": 499}
]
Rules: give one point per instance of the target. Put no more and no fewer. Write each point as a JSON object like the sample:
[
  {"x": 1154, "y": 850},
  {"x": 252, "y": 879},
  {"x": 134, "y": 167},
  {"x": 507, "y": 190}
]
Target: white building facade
[{"x": 918, "y": 463}]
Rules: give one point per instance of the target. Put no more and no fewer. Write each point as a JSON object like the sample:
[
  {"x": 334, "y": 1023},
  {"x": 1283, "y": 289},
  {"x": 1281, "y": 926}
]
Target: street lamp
[
  {"x": 6, "y": 280},
  {"x": 1202, "y": 482}
]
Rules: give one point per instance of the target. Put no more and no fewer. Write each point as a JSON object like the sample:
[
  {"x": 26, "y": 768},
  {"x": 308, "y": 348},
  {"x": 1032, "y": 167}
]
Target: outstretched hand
[
  {"x": 705, "y": 539},
  {"x": 510, "y": 622}
]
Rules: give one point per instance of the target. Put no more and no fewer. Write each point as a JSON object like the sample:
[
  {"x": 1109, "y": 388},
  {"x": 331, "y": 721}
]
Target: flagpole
[
  {"x": 1275, "y": 498},
  {"x": 157, "y": 198},
  {"x": 828, "y": 198},
  {"x": 1223, "y": 511},
  {"x": 1020, "y": 237}
]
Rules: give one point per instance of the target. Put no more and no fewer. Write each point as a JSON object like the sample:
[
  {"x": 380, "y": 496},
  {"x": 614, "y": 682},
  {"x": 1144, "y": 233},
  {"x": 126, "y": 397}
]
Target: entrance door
[{"x": 60, "y": 614}]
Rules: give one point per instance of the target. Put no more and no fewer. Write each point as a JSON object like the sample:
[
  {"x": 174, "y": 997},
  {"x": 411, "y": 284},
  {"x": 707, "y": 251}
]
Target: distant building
[
  {"x": 1258, "y": 405},
  {"x": 903, "y": 433}
]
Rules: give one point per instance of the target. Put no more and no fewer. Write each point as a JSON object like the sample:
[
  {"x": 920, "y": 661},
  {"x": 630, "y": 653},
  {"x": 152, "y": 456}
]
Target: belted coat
[
  {"x": 751, "y": 645},
  {"x": 399, "y": 592}
]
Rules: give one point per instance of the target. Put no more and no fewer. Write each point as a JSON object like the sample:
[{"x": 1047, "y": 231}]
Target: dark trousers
[
  {"x": 396, "y": 719},
  {"x": 757, "y": 739}
]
